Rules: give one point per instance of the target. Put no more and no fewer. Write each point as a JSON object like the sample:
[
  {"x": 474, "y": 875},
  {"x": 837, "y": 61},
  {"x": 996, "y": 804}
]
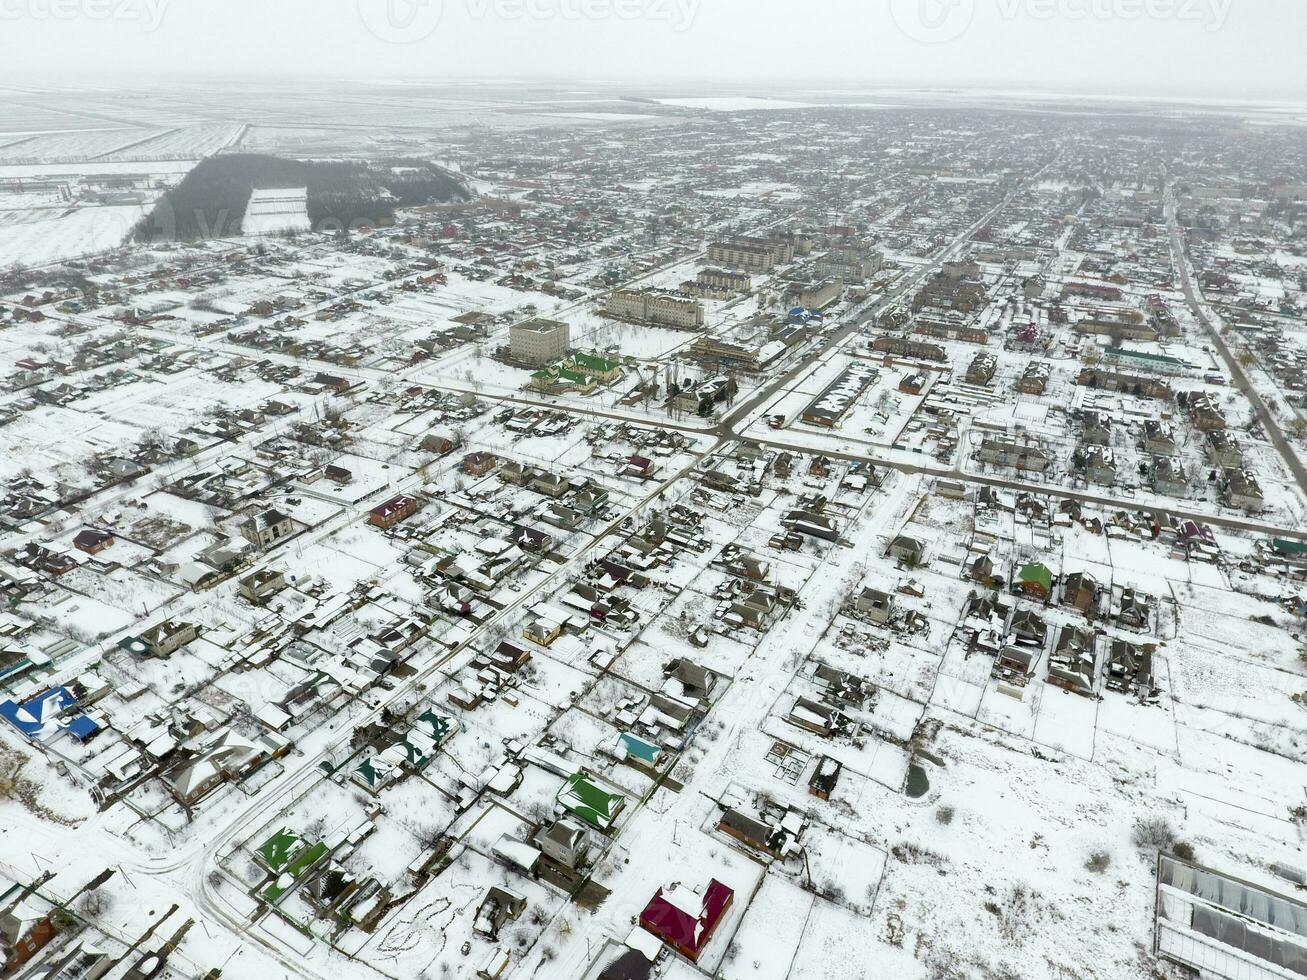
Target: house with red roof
[{"x": 686, "y": 920}]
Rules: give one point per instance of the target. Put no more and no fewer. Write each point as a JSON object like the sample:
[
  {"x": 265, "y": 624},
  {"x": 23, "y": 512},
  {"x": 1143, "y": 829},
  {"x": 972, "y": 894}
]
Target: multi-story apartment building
[
  {"x": 718, "y": 284},
  {"x": 819, "y": 295},
  {"x": 662, "y": 309},
  {"x": 946, "y": 292},
  {"x": 539, "y": 342},
  {"x": 753, "y": 254},
  {"x": 1034, "y": 380},
  {"x": 981, "y": 370},
  {"x": 850, "y": 265}
]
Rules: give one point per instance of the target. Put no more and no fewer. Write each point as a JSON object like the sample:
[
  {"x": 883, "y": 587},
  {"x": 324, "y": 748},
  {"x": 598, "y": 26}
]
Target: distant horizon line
[{"x": 706, "y": 85}]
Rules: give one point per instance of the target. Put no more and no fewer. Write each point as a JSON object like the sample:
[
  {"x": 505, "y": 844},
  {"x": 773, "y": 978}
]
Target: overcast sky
[{"x": 1228, "y": 48}]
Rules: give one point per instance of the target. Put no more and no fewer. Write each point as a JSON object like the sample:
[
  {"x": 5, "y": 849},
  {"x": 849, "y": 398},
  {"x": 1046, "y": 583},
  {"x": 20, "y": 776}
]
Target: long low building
[
  {"x": 1143, "y": 361},
  {"x": 1127, "y": 384},
  {"x": 832, "y": 404},
  {"x": 1015, "y": 455},
  {"x": 1127, "y": 328},
  {"x": 903, "y": 347},
  {"x": 720, "y": 355}
]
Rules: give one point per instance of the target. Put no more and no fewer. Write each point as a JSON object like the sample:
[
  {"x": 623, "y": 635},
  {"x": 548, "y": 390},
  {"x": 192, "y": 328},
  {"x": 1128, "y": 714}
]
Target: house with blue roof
[
  {"x": 48, "y": 713},
  {"x": 639, "y": 752}
]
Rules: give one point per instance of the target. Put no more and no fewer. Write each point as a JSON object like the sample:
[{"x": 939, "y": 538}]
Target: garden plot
[
  {"x": 767, "y": 943},
  {"x": 1152, "y": 726},
  {"x": 963, "y": 681},
  {"x": 1230, "y": 621},
  {"x": 177, "y": 402},
  {"x": 844, "y": 870},
  {"x": 586, "y": 736},
  {"x": 689, "y": 857},
  {"x": 354, "y": 553},
  {"x": 836, "y": 942},
  {"x": 105, "y": 604},
  {"x": 999, "y": 809},
  {"x": 59, "y": 441},
  {"x": 1066, "y": 721},
  {"x": 1212, "y": 685},
  {"x": 1229, "y": 795},
  {"x": 642, "y": 663},
  {"x": 867, "y": 755},
  {"x": 891, "y": 664},
  {"x": 427, "y": 933},
  {"x": 1009, "y": 714}
]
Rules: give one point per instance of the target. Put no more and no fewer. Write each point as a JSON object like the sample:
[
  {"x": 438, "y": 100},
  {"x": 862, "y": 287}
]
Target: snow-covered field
[
  {"x": 273, "y": 210},
  {"x": 35, "y": 237}
]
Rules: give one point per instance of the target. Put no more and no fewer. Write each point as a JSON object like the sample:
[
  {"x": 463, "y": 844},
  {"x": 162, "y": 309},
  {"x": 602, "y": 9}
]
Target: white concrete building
[{"x": 539, "y": 342}]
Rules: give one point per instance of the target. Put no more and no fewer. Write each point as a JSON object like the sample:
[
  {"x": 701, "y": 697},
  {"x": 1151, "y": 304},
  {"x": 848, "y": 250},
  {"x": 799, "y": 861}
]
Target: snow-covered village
[{"x": 613, "y": 531}]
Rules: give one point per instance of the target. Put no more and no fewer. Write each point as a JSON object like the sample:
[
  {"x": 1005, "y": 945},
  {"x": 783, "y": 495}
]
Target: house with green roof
[
  {"x": 584, "y": 799},
  {"x": 276, "y": 851},
  {"x": 579, "y": 379},
  {"x": 557, "y": 380},
  {"x": 577, "y": 372},
  {"x": 373, "y": 774},
  {"x": 400, "y": 755},
  {"x": 436, "y": 727},
  {"x": 414, "y": 754},
  {"x": 598, "y": 367},
  {"x": 1286, "y": 548},
  {"x": 134, "y": 645},
  {"x": 305, "y": 860},
  {"x": 1036, "y": 580}
]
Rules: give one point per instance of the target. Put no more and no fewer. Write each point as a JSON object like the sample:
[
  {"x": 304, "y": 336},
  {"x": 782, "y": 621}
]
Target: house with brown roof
[
  {"x": 331, "y": 382},
  {"x": 479, "y": 464},
  {"x": 1080, "y": 590}
]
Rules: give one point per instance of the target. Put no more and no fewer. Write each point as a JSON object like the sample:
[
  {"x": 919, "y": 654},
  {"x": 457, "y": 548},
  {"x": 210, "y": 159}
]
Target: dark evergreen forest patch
[{"x": 210, "y": 201}]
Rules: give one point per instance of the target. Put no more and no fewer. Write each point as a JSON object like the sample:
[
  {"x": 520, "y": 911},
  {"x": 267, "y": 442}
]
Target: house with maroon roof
[
  {"x": 685, "y": 920},
  {"x": 640, "y": 466},
  {"x": 393, "y": 511},
  {"x": 93, "y": 541}
]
